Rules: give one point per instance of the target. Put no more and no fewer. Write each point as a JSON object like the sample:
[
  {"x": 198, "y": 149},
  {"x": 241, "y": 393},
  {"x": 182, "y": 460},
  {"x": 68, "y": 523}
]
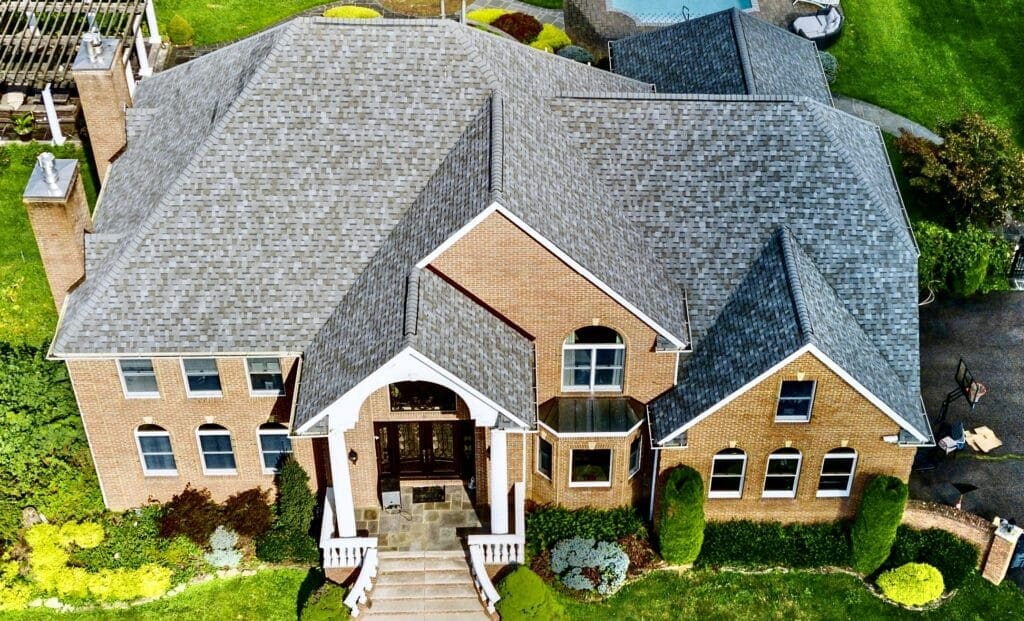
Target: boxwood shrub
[
  {"x": 768, "y": 544},
  {"x": 913, "y": 584},
  {"x": 525, "y": 597},
  {"x": 953, "y": 557},
  {"x": 874, "y": 530},
  {"x": 549, "y": 524},
  {"x": 681, "y": 519}
]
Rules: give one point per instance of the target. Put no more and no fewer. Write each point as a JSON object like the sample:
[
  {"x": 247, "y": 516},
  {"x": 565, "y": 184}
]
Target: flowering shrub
[
  {"x": 224, "y": 554},
  {"x": 589, "y": 565},
  {"x": 913, "y": 584}
]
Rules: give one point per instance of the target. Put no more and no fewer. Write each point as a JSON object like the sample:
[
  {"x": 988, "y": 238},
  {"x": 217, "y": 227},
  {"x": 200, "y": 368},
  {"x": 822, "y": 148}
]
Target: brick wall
[
  {"x": 111, "y": 419},
  {"x": 104, "y": 96},
  {"x": 59, "y": 227},
  {"x": 840, "y": 417}
]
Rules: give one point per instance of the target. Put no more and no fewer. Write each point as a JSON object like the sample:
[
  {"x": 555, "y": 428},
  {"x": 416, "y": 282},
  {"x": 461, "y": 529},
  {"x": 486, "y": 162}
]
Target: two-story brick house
[{"x": 417, "y": 252}]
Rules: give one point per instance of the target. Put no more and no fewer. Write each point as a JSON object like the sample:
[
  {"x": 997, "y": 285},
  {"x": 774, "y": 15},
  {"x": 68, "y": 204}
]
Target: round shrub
[
  {"x": 551, "y": 38},
  {"x": 223, "y": 553},
  {"x": 829, "y": 65},
  {"x": 525, "y": 597},
  {"x": 953, "y": 557},
  {"x": 577, "y": 53},
  {"x": 485, "y": 16},
  {"x": 589, "y": 565},
  {"x": 681, "y": 523},
  {"x": 349, "y": 11},
  {"x": 880, "y": 513},
  {"x": 523, "y": 28},
  {"x": 179, "y": 31},
  {"x": 913, "y": 584}
]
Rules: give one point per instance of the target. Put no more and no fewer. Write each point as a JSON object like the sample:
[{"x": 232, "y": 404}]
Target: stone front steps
[{"x": 424, "y": 585}]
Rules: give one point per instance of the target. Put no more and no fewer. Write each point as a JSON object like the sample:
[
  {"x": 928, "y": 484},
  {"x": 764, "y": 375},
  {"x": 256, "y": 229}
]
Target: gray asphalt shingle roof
[{"x": 725, "y": 53}]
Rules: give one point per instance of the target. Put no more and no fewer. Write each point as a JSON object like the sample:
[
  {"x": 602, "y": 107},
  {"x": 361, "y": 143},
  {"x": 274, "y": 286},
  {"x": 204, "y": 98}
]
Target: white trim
[
  {"x": 162, "y": 354},
  {"x": 630, "y": 472},
  {"x": 743, "y": 473},
  {"x": 611, "y": 462},
  {"x": 222, "y": 430},
  {"x": 819, "y": 493},
  {"x": 142, "y": 456},
  {"x": 810, "y": 408},
  {"x": 271, "y": 431},
  {"x": 264, "y": 393},
  {"x": 497, "y": 482},
  {"x": 777, "y": 456},
  {"x": 551, "y": 475},
  {"x": 124, "y": 384},
  {"x": 596, "y": 434},
  {"x": 553, "y": 249},
  {"x": 201, "y": 394}
]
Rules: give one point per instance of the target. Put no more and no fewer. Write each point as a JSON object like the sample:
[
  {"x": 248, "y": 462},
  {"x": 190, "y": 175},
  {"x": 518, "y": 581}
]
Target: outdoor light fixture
[{"x": 353, "y": 456}]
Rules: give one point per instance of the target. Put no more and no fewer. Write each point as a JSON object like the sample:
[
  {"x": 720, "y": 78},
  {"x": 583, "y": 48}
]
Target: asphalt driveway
[{"x": 988, "y": 332}]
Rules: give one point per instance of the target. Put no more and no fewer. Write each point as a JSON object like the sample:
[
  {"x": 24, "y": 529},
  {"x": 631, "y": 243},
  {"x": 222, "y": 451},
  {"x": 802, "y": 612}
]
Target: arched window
[
  {"x": 155, "y": 451},
  {"x": 215, "y": 449},
  {"x": 592, "y": 360},
  {"x": 782, "y": 473},
  {"x": 728, "y": 468},
  {"x": 837, "y": 473},
  {"x": 275, "y": 445}
]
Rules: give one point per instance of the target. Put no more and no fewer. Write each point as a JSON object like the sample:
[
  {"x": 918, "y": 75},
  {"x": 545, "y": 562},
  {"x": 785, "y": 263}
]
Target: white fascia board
[
  {"x": 721, "y": 404},
  {"x": 407, "y": 365},
  {"x": 555, "y": 250},
  {"x": 179, "y": 354},
  {"x": 596, "y": 434},
  {"x": 867, "y": 394}
]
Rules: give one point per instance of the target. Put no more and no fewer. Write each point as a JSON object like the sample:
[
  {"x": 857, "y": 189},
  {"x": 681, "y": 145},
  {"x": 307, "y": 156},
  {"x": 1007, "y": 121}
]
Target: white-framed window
[
  {"x": 634, "y": 457},
  {"x": 275, "y": 445},
  {"x": 782, "y": 474},
  {"x": 265, "y": 377},
  {"x": 593, "y": 359},
  {"x": 795, "y": 401},
  {"x": 155, "y": 452},
  {"x": 837, "y": 470},
  {"x": 215, "y": 449},
  {"x": 728, "y": 471},
  {"x": 545, "y": 457},
  {"x": 590, "y": 468},
  {"x": 138, "y": 379},
  {"x": 201, "y": 377}
]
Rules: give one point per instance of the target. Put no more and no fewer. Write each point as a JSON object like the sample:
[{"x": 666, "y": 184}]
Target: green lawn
[
  {"x": 227, "y": 20},
  {"x": 929, "y": 60},
  {"x": 26, "y": 307},
  {"x": 796, "y": 595},
  {"x": 268, "y": 596}
]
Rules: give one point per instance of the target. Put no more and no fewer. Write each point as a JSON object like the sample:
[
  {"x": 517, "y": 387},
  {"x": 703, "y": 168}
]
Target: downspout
[{"x": 654, "y": 480}]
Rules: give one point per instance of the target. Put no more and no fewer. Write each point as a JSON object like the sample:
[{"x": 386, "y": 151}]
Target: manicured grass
[
  {"x": 27, "y": 314},
  {"x": 793, "y": 596},
  {"x": 268, "y": 596},
  {"x": 547, "y": 4},
  {"x": 228, "y": 20},
  {"x": 929, "y": 60}
]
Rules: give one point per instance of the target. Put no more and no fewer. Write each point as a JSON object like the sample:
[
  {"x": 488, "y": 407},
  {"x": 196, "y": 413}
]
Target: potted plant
[{"x": 24, "y": 125}]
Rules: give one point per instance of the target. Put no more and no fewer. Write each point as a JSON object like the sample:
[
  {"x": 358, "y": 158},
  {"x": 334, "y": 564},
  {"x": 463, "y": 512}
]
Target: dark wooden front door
[{"x": 421, "y": 450}]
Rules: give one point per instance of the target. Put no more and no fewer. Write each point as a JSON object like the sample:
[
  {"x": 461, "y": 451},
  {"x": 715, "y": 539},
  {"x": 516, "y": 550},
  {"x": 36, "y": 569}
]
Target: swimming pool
[{"x": 671, "y": 11}]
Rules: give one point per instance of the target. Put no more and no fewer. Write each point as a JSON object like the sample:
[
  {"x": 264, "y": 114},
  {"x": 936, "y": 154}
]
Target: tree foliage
[
  {"x": 977, "y": 174},
  {"x": 44, "y": 457},
  {"x": 289, "y": 538},
  {"x": 874, "y": 530},
  {"x": 681, "y": 523},
  {"x": 964, "y": 262}
]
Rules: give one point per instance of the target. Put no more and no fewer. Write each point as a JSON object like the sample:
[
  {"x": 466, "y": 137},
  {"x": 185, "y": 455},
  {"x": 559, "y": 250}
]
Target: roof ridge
[
  {"x": 497, "y": 155},
  {"x": 796, "y": 290},
  {"x": 741, "y": 50},
  {"x": 117, "y": 256},
  {"x": 412, "y": 303}
]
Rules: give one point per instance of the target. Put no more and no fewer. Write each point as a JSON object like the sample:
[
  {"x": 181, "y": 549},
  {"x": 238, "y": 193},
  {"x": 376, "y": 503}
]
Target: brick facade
[
  {"x": 104, "y": 95},
  {"x": 840, "y": 417},
  {"x": 111, "y": 419}
]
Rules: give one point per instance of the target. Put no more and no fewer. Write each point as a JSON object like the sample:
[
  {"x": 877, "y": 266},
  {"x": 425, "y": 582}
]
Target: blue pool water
[{"x": 671, "y": 11}]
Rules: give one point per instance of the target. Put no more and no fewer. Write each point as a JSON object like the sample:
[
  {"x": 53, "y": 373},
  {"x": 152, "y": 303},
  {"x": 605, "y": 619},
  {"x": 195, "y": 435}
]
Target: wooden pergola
[{"x": 40, "y": 38}]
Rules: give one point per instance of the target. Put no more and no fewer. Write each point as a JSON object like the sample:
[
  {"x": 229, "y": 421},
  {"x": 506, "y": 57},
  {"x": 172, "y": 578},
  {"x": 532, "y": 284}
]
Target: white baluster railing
[
  {"x": 363, "y": 583},
  {"x": 498, "y": 550},
  {"x": 341, "y": 551},
  {"x": 484, "y": 586}
]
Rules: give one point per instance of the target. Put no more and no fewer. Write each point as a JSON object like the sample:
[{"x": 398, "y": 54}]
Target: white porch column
[
  {"x": 341, "y": 479},
  {"x": 51, "y": 117},
  {"x": 497, "y": 484},
  {"x": 154, "y": 29},
  {"x": 140, "y": 50}
]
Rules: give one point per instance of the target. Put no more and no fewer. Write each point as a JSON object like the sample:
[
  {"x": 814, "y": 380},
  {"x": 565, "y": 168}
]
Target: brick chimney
[
  {"x": 99, "y": 73},
  {"x": 57, "y": 209}
]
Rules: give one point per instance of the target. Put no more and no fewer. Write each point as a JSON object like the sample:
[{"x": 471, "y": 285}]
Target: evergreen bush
[
  {"x": 913, "y": 584},
  {"x": 485, "y": 16},
  {"x": 829, "y": 65},
  {"x": 179, "y": 31},
  {"x": 577, "y": 53},
  {"x": 549, "y": 524},
  {"x": 681, "y": 519},
  {"x": 289, "y": 538},
  {"x": 589, "y": 565},
  {"x": 551, "y": 39},
  {"x": 525, "y": 597},
  {"x": 222, "y": 549},
  {"x": 874, "y": 530},
  {"x": 955, "y": 558},
  {"x": 351, "y": 12},
  {"x": 523, "y": 28},
  {"x": 771, "y": 544}
]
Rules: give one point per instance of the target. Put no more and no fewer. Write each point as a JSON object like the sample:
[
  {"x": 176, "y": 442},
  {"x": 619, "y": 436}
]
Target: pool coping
[{"x": 754, "y": 8}]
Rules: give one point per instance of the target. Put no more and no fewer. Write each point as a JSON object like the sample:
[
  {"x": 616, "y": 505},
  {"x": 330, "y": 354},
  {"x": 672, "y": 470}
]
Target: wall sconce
[{"x": 353, "y": 456}]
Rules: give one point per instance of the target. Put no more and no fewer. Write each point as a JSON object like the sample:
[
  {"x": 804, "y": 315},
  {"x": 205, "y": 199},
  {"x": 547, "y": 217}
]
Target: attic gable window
[
  {"x": 593, "y": 359},
  {"x": 795, "y": 400}
]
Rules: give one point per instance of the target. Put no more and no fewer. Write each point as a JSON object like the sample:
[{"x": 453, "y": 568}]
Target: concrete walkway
[
  {"x": 544, "y": 16},
  {"x": 434, "y": 586},
  {"x": 890, "y": 122}
]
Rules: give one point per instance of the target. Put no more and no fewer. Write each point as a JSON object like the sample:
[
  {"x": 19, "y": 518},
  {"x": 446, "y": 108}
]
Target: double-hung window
[
  {"x": 215, "y": 448},
  {"x": 837, "y": 470},
  {"x": 728, "y": 469},
  {"x": 265, "y": 377},
  {"x": 593, "y": 359},
  {"x": 634, "y": 457},
  {"x": 138, "y": 378},
  {"x": 795, "y": 401},
  {"x": 155, "y": 451},
  {"x": 275, "y": 445},
  {"x": 544, "y": 457},
  {"x": 201, "y": 377},
  {"x": 782, "y": 474}
]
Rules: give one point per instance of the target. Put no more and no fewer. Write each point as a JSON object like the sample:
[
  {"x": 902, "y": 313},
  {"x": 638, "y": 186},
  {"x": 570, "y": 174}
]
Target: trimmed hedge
[
  {"x": 770, "y": 544},
  {"x": 953, "y": 557},
  {"x": 525, "y": 597},
  {"x": 913, "y": 584},
  {"x": 349, "y": 11},
  {"x": 681, "y": 523},
  {"x": 550, "y": 524},
  {"x": 523, "y": 28},
  {"x": 880, "y": 513}
]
